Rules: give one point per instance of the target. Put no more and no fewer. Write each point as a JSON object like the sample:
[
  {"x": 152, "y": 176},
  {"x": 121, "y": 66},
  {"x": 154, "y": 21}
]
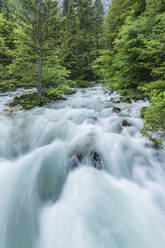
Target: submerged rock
[
  {"x": 77, "y": 157},
  {"x": 92, "y": 119},
  {"x": 73, "y": 161},
  {"x": 116, "y": 110}
]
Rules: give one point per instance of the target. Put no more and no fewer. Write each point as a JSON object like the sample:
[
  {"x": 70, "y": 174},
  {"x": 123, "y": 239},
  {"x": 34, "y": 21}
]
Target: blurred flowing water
[{"x": 45, "y": 204}]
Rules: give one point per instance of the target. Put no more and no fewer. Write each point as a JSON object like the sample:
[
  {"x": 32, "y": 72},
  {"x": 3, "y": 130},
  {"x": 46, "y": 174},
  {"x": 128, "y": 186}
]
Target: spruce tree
[
  {"x": 99, "y": 18},
  {"x": 65, "y": 6},
  {"x": 39, "y": 20},
  {"x": 80, "y": 23}
]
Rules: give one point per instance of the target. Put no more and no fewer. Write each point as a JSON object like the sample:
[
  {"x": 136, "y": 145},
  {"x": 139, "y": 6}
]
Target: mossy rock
[
  {"x": 70, "y": 92},
  {"x": 142, "y": 112},
  {"x": 126, "y": 99},
  {"x": 28, "y": 101}
]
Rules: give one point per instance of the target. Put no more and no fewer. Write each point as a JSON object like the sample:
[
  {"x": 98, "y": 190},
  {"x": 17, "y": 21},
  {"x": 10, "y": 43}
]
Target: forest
[{"x": 57, "y": 47}]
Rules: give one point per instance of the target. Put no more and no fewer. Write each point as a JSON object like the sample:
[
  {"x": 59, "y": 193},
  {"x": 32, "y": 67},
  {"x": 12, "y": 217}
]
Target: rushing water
[{"x": 45, "y": 204}]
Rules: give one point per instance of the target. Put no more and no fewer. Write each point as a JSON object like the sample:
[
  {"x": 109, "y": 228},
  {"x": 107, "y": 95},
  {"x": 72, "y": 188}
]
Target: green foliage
[
  {"x": 82, "y": 31},
  {"x": 155, "y": 114},
  {"x": 27, "y": 101},
  {"x": 66, "y": 90},
  {"x": 24, "y": 66},
  {"x": 132, "y": 61},
  {"x": 43, "y": 47},
  {"x": 6, "y": 47},
  {"x": 54, "y": 94},
  {"x": 54, "y": 73}
]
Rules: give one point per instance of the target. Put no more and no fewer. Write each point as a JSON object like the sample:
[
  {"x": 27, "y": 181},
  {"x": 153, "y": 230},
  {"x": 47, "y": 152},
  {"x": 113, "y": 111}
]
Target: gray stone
[
  {"x": 125, "y": 123},
  {"x": 116, "y": 110}
]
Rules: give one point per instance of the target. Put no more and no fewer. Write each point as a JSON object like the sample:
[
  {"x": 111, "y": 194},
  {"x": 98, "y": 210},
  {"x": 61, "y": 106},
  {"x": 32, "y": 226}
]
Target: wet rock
[
  {"x": 77, "y": 157},
  {"x": 96, "y": 161},
  {"x": 110, "y": 92},
  {"x": 125, "y": 123},
  {"x": 116, "y": 100},
  {"x": 116, "y": 110}
]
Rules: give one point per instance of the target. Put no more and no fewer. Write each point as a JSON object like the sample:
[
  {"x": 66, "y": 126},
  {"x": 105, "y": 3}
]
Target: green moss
[{"x": 27, "y": 101}]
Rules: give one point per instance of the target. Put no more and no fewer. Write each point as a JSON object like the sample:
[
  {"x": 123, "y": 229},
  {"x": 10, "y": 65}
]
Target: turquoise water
[{"x": 45, "y": 204}]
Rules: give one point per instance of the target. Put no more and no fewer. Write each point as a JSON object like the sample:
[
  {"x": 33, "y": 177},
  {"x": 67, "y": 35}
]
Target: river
[{"x": 46, "y": 203}]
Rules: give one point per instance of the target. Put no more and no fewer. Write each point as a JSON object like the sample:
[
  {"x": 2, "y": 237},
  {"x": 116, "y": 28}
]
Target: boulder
[
  {"x": 116, "y": 110},
  {"x": 125, "y": 123},
  {"x": 116, "y": 100}
]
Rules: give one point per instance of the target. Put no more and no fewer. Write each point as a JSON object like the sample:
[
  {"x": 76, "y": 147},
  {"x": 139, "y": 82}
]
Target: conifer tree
[
  {"x": 39, "y": 20},
  {"x": 80, "y": 23},
  {"x": 65, "y": 6},
  {"x": 99, "y": 18}
]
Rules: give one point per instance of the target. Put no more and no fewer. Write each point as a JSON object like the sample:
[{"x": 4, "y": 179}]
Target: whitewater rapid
[{"x": 45, "y": 204}]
